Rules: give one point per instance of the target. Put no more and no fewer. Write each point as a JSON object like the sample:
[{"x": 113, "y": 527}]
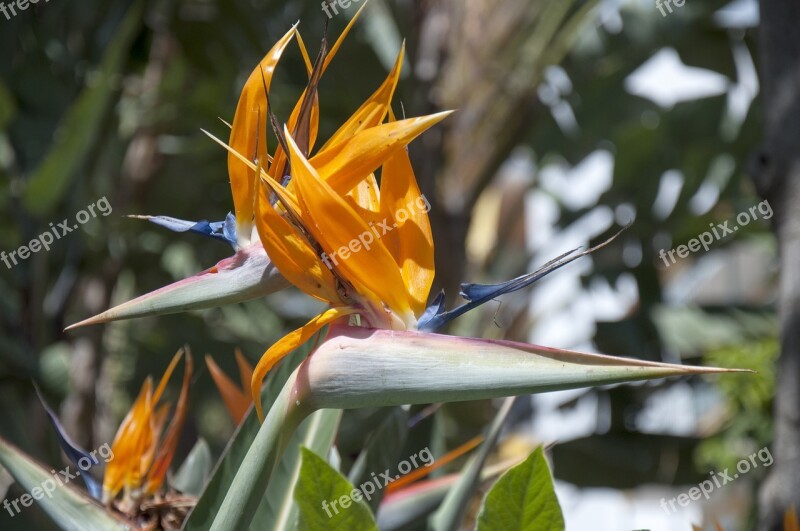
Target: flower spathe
[{"x": 306, "y": 207}]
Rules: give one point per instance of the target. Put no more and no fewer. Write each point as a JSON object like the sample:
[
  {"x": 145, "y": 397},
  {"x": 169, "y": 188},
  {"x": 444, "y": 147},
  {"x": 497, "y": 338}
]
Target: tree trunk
[{"x": 777, "y": 177}]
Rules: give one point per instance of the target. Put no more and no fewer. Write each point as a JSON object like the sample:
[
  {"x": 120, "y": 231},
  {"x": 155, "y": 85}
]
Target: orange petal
[
  {"x": 148, "y": 446},
  {"x": 249, "y": 132},
  {"x": 343, "y": 165},
  {"x": 167, "y": 375},
  {"x": 365, "y": 199},
  {"x": 279, "y": 160},
  {"x": 335, "y": 48},
  {"x": 790, "y": 522},
  {"x": 125, "y": 447},
  {"x": 304, "y": 52},
  {"x": 287, "y": 344},
  {"x": 235, "y": 399},
  {"x": 245, "y": 368},
  {"x": 166, "y": 449},
  {"x": 335, "y": 225},
  {"x": 373, "y": 111},
  {"x": 411, "y": 243},
  {"x": 288, "y": 200},
  {"x": 292, "y": 254}
]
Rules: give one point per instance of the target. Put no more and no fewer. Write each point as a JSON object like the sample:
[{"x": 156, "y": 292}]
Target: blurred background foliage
[{"x": 574, "y": 117}]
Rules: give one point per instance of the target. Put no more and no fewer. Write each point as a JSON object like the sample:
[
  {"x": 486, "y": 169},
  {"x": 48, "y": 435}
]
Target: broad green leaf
[
  {"x": 278, "y": 510},
  {"x": 82, "y": 122},
  {"x": 326, "y": 500},
  {"x": 523, "y": 499},
  {"x": 454, "y": 507},
  {"x": 381, "y": 451},
  {"x": 194, "y": 472},
  {"x": 68, "y": 507}
]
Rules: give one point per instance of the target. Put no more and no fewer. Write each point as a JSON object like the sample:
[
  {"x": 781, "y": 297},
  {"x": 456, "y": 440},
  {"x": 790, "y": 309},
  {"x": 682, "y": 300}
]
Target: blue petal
[
  {"x": 229, "y": 229},
  {"x": 477, "y": 294},
  {"x": 219, "y": 230},
  {"x": 432, "y": 312},
  {"x": 74, "y": 452},
  {"x": 487, "y": 292}
]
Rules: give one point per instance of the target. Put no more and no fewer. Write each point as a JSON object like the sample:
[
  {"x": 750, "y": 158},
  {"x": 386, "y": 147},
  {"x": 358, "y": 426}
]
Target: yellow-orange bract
[
  {"x": 141, "y": 455},
  {"x": 236, "y": 400},
  {"x": 332, "y": 198}
]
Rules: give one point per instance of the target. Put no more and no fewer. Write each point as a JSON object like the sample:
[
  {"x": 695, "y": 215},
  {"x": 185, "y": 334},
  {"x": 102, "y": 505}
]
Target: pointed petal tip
[
  {"x": 448, "y": 368},
  {"x": 246, "y": 275},
  {"x": 438, "y": 116},
  {"x": 97, "y": 319},
  {"x": 720, "y": 370}
]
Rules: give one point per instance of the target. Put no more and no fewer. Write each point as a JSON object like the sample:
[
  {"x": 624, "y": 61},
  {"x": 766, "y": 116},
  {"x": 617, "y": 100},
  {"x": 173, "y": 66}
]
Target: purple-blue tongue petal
[
  {"x": 74, "y": 452},
  {"x": 435, "y": 317},
  {"x": 219, "y": 230}
]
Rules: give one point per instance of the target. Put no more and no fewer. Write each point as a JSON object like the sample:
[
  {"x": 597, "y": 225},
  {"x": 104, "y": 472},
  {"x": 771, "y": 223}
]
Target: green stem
[{"x": 252, "y": 478}]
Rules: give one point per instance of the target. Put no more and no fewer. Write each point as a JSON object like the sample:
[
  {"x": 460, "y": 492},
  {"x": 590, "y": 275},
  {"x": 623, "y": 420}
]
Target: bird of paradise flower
[
  {"x": 141, "y": 454},
  {"x": 295, "y": 208}
]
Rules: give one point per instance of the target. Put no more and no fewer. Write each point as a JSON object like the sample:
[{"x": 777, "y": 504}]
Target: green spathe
[{"x": 359, "y": 367}]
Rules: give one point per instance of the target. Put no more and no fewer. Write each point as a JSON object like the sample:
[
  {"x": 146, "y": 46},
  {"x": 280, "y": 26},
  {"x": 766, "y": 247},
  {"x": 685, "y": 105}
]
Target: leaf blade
[
  {"x": 69, "y": 508},
  {"x": 522, "y": 499},
  {"x": 319, "y": 484}
]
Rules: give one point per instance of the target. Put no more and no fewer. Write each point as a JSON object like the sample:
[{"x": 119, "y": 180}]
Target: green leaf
[
  {"x": 454, "y": 507},
  {"x": 522, "y": 499},
  {"x": 381, "y": 451},
  {"x": 81, "y": 124},
  {"x": 68, "y": 507},
  {"x": 194, "y": 472},
  {"x": 278, "y": 510},
  {"x": 210, "y": 501},
  {"x": 326, "y": 500}
]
